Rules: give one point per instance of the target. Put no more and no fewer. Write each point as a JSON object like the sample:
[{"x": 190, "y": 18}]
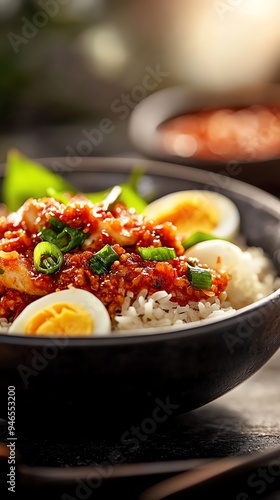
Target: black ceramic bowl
[
  {"x": 257, "y": 163},
  {"x": 135, "y": 377}
]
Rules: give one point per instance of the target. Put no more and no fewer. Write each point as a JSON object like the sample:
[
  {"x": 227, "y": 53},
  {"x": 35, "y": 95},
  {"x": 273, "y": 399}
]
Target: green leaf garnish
[
  {"x": 129, "y": 193},
  {"x": 25, "y": 178},
  {"x": 198, "y": 237},
  {"x": 58, "y": 195}
]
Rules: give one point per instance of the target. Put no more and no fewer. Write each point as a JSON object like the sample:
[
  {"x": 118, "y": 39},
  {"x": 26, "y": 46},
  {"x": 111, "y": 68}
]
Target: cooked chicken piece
[
  {"x": 16, "y": 274},
  {"x": 34, "y": 212}
]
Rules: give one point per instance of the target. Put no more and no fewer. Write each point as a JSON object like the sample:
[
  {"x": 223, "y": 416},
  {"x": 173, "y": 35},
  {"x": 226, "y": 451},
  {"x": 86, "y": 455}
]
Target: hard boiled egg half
[
  {"x": 217, "y": 254},
  {"x": 67, "y": 313},
  {"x": 226, "y": 256},
  {"x": 197, "y": 210}
]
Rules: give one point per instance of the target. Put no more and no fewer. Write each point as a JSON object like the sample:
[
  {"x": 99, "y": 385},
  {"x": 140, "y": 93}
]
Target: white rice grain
[{"x": 254, "y": 279}]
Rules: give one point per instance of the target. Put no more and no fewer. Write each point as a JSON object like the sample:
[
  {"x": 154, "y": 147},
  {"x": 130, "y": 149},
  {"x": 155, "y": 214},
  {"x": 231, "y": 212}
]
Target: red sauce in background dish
[{"x": 251, "y": 133}]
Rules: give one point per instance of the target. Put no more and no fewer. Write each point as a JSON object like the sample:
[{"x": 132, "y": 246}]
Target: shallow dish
[
  {"x": 155, "y": 376},
  {"x": 257, "y": 166}
]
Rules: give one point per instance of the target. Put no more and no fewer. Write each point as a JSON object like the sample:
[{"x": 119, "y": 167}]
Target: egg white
[
  {"x": 217, "y": 254},
  {"x": 229, "y": 217},
  {"x": 228, "y": 257},
  {"x": 96, "y": 309}
]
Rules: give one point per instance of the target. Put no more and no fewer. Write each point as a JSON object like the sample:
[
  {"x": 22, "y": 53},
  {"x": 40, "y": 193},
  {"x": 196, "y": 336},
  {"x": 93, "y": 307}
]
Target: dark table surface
[{"x": 245, "y": 420}]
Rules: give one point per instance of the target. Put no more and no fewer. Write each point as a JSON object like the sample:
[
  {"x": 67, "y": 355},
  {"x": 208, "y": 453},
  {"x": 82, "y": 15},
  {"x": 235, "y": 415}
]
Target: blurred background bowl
[
  {"x": 235, "y": 133},
  {"x": 73, "y": 72}
]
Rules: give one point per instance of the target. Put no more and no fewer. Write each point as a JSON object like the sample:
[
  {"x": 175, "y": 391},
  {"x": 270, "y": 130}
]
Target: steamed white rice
[
  {"x": 159, "y": 311},
  {"x": 254, "y": 279}
]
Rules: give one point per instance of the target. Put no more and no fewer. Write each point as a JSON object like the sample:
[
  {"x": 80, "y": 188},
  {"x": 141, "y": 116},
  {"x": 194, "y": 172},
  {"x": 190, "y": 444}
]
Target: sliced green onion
[
  {"x": 2, "y": 271},
  {"x": 70, "y": 238},
  {"x": 47, "y": 257},
  {"x": 160, "y": 254},
  {"x": 197, "y": 238},
  {"x": 48, "y": 235},
  {"x": 64, "y": 237},
  {"x": 56, "y": 224},
  {"x": 101, "y": 262},
  {"x": 199, "y": 278}
]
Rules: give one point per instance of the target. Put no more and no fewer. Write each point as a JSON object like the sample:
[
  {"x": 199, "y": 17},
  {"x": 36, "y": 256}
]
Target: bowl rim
[
  {"x": 167, "y": 169},
  {"x": 206, "y": 327}
]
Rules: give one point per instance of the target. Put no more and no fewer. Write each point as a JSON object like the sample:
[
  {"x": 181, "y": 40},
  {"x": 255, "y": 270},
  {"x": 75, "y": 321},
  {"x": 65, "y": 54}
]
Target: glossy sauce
[{"x": 124, "y": 230}]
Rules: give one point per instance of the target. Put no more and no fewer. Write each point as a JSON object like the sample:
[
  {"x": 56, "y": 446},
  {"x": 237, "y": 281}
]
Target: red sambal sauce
[
  {"x": 133, "y": 274},
  {"x": 241, "y": 133},
  {"x": 123, "y": 229}
]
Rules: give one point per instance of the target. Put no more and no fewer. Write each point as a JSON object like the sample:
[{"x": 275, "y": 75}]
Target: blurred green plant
[{"x": 20, "y": 170}]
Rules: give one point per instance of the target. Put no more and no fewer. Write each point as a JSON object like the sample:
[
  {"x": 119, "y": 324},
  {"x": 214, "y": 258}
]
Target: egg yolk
[
  {"x": 61, "y": 319},
  {"x": 191, "y": 217}
]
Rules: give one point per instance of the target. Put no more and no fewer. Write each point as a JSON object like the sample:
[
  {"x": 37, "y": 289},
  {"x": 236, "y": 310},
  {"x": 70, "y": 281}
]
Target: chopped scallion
[
  {"x": 47, "y": 257},
  {"x": 70, "y": 238},
  {"x": 199, "y": 278},
  {"x": 101, "y": 262},
  {"x": 64, "y": 237},
  {"x": 160, "y": 254}
]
